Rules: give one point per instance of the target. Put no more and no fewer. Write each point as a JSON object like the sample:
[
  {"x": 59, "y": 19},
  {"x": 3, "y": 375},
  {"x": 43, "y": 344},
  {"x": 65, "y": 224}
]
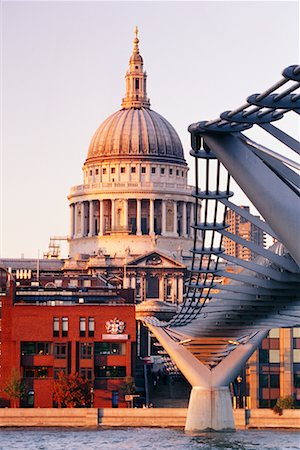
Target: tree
[
  {"x": 128, "y": 386},
  {"x": 72, "y": 391},
  {"x": 15, "y": 388}
]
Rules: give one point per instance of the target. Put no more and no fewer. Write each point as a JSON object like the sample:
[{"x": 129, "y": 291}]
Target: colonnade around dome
[{"x": 140, "y": 216}]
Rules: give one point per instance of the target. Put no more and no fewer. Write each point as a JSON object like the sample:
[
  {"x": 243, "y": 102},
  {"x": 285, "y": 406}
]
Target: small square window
[
  {"x": 97, "y": 171},
  {"x": 104, "y": 171},
  {"x": 143, "y": 169},
  {"x": 132, "y": 169},
  {"x": 122, "y": 169},
  {"x": 274, "y": 356},
  {"x": 153, "y": 169},
  {"x": 170, "y": 171},
  {"x": 162, "y": 171},
  {"x": 112, "y": 170},
  {"x": 86, "y": 350}
]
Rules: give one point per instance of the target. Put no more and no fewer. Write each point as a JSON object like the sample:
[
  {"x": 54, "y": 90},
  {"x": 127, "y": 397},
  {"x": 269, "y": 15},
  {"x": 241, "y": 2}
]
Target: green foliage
[
  {"x": 285, "y": 402},
  {"x": 72, "y": 391},
  {"x": 128, "y": 386},
  {"x": 15, "y": 388}
]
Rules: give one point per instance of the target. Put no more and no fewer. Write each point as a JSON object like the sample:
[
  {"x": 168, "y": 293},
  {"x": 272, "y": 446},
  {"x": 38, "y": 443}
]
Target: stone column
[
  {"x": 101, "y": 215},
  {"x": 125, "y": 203},
  {"x": 151, "y": 216},
  {"x": 184, "y": 234},
  {"x": 175, "y": 218},
  {"x": 163, "y": 217},
  {"x": 72, "y": 232},
  {"x": 82, "y": 219},
  {"x": 91, "y": 218},
  {"x": 76, "y": 220},
  {"x": 133, "y": 281},
  {"x": 138, "y": 216},
  {"x": 174, "y": 288},
  {"x": 113, "y": 214},
  {"x": 180, "y": 289},
  {"x": 162, "y": 287}
]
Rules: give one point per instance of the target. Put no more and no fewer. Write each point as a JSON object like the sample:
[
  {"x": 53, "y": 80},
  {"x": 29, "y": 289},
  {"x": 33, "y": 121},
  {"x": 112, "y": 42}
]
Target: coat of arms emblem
[{"x": 115, "y": 326}]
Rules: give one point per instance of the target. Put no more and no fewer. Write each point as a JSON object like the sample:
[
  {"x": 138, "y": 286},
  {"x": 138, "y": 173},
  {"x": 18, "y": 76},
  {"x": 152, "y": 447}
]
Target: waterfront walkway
[{"x": 137, "y": 417}]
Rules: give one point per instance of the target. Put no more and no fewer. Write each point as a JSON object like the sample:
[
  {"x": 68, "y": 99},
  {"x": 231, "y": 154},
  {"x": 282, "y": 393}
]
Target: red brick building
[{"x": 90, "y": 331}]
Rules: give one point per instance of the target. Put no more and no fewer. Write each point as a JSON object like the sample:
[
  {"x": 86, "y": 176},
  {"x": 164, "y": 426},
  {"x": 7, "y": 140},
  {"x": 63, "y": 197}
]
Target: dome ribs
[{"x": 136, "y": 132}]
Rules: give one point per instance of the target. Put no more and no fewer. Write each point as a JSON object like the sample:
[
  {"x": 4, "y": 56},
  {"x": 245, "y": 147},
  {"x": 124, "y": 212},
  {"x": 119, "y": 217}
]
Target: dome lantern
[
  {"x": 136, "y": 94},
  {"x": 136, "y": 131}
]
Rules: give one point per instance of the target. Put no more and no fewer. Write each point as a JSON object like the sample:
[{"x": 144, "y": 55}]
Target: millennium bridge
[{"x": 220, "y": 325}]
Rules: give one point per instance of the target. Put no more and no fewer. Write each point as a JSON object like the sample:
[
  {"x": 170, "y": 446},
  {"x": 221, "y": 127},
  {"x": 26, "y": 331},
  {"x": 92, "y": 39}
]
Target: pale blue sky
[{"x": 63, "y": 67}]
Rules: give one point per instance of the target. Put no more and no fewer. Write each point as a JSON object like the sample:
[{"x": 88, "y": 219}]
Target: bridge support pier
[
  {"x": 209, "y": 409},
  {"x": 210, "y": 406}
]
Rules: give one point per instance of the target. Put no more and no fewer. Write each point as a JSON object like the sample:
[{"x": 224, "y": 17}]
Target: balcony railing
[{"x": 178, "y": 186}]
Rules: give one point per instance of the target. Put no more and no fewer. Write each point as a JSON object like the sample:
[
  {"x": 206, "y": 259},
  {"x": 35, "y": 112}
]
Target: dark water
[{"x": 144, "y": 438}]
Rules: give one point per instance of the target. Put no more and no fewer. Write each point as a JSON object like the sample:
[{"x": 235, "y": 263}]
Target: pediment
[{"x": 155, "y": 259}]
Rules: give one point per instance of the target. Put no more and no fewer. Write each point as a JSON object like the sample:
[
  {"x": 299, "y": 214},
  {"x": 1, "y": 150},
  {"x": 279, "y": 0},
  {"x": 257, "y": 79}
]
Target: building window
[
  {"x": 137, "y": 84},
  {"x": 86, "y": 373},
  {"x": 122, "y": 169},
  {"x": 169, "y": 288},
  {"x": 91, "y": 172},
  {"x": 60, "y": 351},
  {"x": 55, "y": 326},
  {"x": 36, "y": 348},
  {"x": 170, "y": 171},
  {"x": 36, "y": 372},
  {"x": 86, "y": 350},
  {"x": 110, "y": 372},
  {"x": 97, "y": 171},
  {"x": 91, "y": 326},
  {"x": 132, "y": 169},
  {"x": 296, "y": 355},
  {"x": 182, "y": 173},
  {"x": 162, "y": 171},
  {"x": 274, "y": 356},
  {"x": 143, "y": 169},
  {"x": 109, "y": 348},
  {"x": 112, "y": 170},
  {"x": 104, "y": 171},
  {"x": 58, "y": 370},
  {"x": 65, "y": 326},
  {"x": 152, "y": 289},
  {"x": 153, "y": 169},
  {"x": 177, "y": 172},
  {"x": 274, "y": 333},
  {"x": 82, "y": 326}
]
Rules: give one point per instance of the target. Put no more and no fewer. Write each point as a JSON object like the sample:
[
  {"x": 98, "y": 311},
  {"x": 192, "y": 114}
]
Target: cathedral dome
[{"x": 136, "y": 131}]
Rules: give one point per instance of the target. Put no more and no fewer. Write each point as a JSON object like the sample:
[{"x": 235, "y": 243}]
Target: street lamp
[
  {"x": 239, "y": 379},
  {"x": 92, "y": 397}
]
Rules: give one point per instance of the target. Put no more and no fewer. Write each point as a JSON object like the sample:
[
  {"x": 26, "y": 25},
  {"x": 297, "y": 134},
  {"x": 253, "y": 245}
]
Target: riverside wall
[{"x": 136, "y": 417}]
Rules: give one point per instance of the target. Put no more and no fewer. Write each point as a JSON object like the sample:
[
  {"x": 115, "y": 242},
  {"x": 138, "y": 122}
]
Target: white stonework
[{"x": 134, "y": 194}]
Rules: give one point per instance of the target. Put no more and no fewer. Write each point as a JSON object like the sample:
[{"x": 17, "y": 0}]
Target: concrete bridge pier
[
  {"x": 209, "y": 409},
  {"x": 210, "y": 406}
]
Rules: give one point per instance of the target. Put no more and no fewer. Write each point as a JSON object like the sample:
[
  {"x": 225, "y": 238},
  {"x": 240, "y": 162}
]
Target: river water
[{"x": 144, "y": 438}]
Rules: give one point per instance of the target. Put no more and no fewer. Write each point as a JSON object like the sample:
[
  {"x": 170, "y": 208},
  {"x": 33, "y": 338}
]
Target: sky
[{"x": 63, "y": 68}]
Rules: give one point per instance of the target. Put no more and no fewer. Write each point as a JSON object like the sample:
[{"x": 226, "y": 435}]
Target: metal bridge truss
[{"x": 216, "y": 316}]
